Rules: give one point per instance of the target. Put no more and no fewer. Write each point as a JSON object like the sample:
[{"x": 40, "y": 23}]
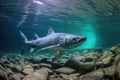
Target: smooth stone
[
  {"x": 72, "y": 64},
  {"x": 87, "y": 66},
  {"x": 40, "y": 74},
  {"x": 65, "y": 70},
  {"x": 45, "y": 65},
  {"x": 74, "y": 76},
  {"x": 107, "y": 61},
  {"x": 116, "y": 59},
  {"x": 3, "y": 75},
  {"x": 28, "y": 69},
  {"x": 109, "y": 72},
  {"x": 95, "y": 75},
  {"x": 62, "y": 61},
  {"x": 15, "y": 77},
  {"x": 118, "y": 71},
  {"x": 92, "y": 56},
  {"x": 78, "y": 58},
  {"x": 65, "y": 76}
]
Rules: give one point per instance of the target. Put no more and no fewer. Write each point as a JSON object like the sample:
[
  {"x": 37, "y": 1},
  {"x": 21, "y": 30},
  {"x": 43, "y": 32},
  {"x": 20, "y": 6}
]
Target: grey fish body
[{"x": 54, "y": 41}]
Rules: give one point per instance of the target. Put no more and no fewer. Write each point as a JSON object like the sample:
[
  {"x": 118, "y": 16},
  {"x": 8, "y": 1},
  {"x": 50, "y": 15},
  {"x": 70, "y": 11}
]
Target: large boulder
[
  {"x": 40, "y": 74},
  {"x": 3, "y": 75},
  {"x": 118, "y": 71},
  {"x": 95, "y": 75},
  {"x": 65, "y": 70},
  {"x": 28, "y": 69}
]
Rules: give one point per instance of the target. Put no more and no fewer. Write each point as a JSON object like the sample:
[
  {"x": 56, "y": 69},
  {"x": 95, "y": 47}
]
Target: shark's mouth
[{"x": 83, "y": 39}]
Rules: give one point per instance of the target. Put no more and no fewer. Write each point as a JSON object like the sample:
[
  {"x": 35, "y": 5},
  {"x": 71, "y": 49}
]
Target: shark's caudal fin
[{"x": 24, "y": 38}]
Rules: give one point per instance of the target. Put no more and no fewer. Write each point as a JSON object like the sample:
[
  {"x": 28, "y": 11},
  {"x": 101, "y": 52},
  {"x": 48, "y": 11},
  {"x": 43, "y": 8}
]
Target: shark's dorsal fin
[
  {"x": 50, "y": 31},
  {"x": 36, "y": 36}
]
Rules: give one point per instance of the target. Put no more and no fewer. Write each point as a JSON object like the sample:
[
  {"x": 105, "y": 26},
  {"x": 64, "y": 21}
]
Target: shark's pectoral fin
[
  {"x": 32, "y": 49},
  {"x": 49, "y": 47},
  {"x": 58, "y": 54}
]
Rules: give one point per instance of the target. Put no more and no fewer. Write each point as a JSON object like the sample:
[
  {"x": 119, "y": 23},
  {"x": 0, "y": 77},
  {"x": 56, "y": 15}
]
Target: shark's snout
[{"x": 83, "y": 39}]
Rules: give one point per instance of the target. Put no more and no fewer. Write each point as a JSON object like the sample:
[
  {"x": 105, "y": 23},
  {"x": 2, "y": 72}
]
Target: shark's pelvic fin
[
  {"x": 32, "y": 49},
  {"x": 49, "y": 47},
  {"x": 36, "y": 36},
  {"x": 58, "y": 54},
  {"x": 50, "y": 31}
]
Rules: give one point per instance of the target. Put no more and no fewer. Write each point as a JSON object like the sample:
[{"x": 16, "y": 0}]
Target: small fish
[{"x": 53, "y": 41}]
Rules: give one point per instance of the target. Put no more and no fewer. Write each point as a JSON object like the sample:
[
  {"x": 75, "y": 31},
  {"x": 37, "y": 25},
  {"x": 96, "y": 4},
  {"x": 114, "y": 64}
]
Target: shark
[{"x": 53, "y": 41}]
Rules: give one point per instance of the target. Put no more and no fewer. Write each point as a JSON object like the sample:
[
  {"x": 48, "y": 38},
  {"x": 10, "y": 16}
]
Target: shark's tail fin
[{"x": 24, "y": 38}]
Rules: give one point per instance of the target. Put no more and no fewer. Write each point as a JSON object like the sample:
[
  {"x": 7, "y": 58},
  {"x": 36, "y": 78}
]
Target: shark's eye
[{"x": 74, "y": 39}]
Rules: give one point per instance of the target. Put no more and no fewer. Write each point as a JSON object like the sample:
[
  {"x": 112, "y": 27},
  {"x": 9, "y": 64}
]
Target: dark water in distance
[{"x": 99, "y": 20}]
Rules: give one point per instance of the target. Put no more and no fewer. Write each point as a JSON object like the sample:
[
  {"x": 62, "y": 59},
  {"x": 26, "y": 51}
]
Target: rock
[
  {"x": 99, "y": 64},
  {"x": 92, "y": 56},
  {"x": 65, "y": 76},
  {"x": 3, "y": 75},
  {"x": 36, "y": 59},
  {"x": 15, "y": 77},
  {"x": 40, "y": 74},
  {"x": 28, "y": 69},
  {"x": 57, "y": 78},
  {"x": 72, "y": 63},
  {"x": 78, "y": 58},
  {"x": 106, "y": 53},
  {"x": 62, "y": 61},
  {"x": 14, "y": 58},
  {"x": 46, "y": 69},
  {"x": 19, "y": 68},
  {"x": 95, "y": 75},
  {"x": 4, "y": 60},
  {"x": 14, "y": 68},
  {"x": 116, "y": 59},
  {"x": 115, "y": 50},
  {"x": 65, "y": 70},
  {"x": 70, "y": 77},
  {"x": 74, "y": 76},
  {"x": 109, "y": 72},
  {"x": 87, "y": 66},
  {"x": 118, "y": 71},
  {"x": 56, "y": 65},
  {"x": 35, "y": 66},
  {"x": 45, "y": 65},
  {"x": 107, "y": 61}
]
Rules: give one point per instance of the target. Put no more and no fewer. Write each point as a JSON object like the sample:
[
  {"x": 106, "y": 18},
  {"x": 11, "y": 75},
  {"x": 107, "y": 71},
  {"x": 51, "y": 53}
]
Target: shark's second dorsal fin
[
  {"x": 36, "y": 36},
  {"x": 50, "y": 31}
]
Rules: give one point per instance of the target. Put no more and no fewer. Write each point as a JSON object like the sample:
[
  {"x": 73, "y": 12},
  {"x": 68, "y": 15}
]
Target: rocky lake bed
[{"x": 95, "y": 64}]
